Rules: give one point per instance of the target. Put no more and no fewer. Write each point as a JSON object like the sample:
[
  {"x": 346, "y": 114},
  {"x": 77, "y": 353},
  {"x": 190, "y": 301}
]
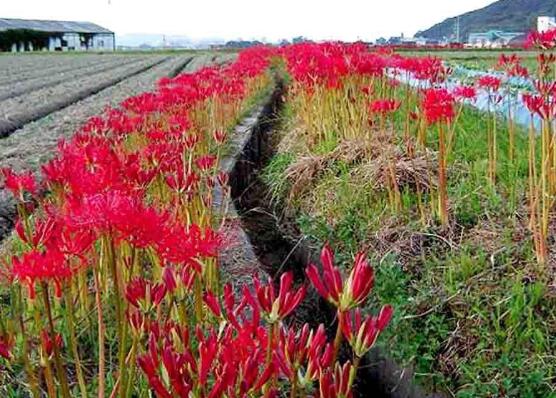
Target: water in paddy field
[{"x": 515, "y": 86}]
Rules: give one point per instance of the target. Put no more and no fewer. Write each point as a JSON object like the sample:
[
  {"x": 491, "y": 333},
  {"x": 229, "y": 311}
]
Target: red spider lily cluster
[
  {"x": 384, "y": 106},
  {"x": 340, "y": 90},
  {"x": 511, "y": 65},
  {"x": 542, "y": 104},
  {"x": 438, "y": 106},
  {"x": 542, "y": 40},
  {"x": 248, "y": 350},
  {"x": 465, "y": 93},
  {"x": 121, "y": 258},
  {"x": 349, "y": 294}
]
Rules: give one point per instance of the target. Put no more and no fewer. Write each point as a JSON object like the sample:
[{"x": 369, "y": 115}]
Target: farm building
[
  {"x": 546, "y": 23},
  {"x": 19, "y": 35},
  {"x": 492, "y": 39}
]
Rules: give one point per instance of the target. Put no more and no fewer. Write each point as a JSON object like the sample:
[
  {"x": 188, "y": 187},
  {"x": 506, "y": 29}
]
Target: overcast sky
[{"x": 247, "y": 19}]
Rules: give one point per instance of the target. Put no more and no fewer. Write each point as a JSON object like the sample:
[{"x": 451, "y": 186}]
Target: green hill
[{"x": 507, "y": 15}]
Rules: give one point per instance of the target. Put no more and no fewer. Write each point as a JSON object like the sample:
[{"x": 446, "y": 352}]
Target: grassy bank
[{"x": 474, "y": 317}]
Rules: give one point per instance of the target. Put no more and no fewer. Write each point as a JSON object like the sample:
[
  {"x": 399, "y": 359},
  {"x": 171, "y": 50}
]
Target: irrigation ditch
[{"x": 266, "y": 244}]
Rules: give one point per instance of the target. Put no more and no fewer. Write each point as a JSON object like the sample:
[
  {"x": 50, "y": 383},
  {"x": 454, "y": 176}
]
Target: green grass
[{"x": 471, "y": 318}]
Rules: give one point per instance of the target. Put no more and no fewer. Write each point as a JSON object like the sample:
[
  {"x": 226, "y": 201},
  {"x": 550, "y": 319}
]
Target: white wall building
[
  {"x": 56, "y": 35},
  {"x": 546, "y": 23}
]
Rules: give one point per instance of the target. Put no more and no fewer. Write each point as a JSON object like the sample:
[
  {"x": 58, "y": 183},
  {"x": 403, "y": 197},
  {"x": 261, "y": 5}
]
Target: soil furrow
[
  {"x": 20, "y": 89},
  {"x": 23, "y": 116},
  {"x": 27, "y": 68},
  {"x": 180, "y": 67},
  {"x": 26, "y": 77}
]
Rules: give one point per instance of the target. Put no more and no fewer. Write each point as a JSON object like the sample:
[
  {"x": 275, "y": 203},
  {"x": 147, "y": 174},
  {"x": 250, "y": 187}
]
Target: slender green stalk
[
  {"x": 73, "y": 342},
  {"x": 339, "y": 335},
  {"x": 62, "y": 379},
  {"x": 31, "y": 375},
  {"x": 101, "y": 337},
  {"x": 442, "y": 179}
]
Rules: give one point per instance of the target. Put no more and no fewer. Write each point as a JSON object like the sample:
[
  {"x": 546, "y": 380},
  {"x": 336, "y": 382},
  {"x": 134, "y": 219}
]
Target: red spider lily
[
  {"x": 319, "y": 360},
  {"x": 233, "y": 313},
  {"x": 47, "y": 342},
  {"x": 18, "y": 184},
  {"x": 508, "y": 61},
  {"x": 174, "y": 362},
  {"x": 149, "y": 366},
  {"x": 279, "y": 307},
  {"x": 384, "y": 106},
  {"x": 362, "y": 334},
  {"x": 537, "y": 104},
  {"x": 465, "y": 93},
  {"x": 251, "y": 379},
  {"x": 47, "y": 266},
  {"x": 294, "y": 347},
  {"x": 545, "y": 88},
  {"x": 438, "y": 106},
  {"x": 519, "y": 71},
  {"x": 212, "y": 303},
  {"x": 208, "y": 348},
  {"x": 511, "y": 64},
  {"x": 542, "y": 40},
  {"x": 142, "y": 293},
  {"x": 219, "y": 136},
  {"x": 336, "y": 384},
  {"x": 185, "y": 245},
  {"x": 183, "y": 182},
  {"x": 430, "y": 69},
  {"x": 223, "y": 178},
  {"x": 297, "y": 348},
  {"x": 7, "y": 343},
  {"x": 205, "y": 162},
  {"x": 41, "y": 232},
  {"x": 343, "y": 294},
  {"x": 490, "y": 83}
]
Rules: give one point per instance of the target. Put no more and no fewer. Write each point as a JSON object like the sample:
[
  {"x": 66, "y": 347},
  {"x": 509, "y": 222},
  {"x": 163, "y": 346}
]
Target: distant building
[
  {"x": 394, "y": 41},
  {"x": 518, "y": 41},
  {"x": 35, "y": 35},
  {"x": 546, "y": 23},
  {"x": 492, "y": 39}
]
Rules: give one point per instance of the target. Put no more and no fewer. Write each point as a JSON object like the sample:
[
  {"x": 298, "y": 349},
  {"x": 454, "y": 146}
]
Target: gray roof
[{"x": 51, "y": 26}]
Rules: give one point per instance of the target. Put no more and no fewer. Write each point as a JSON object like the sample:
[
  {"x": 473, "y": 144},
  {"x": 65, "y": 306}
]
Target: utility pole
[{"x": 457, "y": 30}]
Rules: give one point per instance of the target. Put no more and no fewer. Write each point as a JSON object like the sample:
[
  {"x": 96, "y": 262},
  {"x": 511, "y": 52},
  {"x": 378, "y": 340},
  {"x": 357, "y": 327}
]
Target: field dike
[{"x": 260, "y": 247}]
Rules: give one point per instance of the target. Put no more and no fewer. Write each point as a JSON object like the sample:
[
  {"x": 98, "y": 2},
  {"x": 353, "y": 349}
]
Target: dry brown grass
[
  {"x": 417, "y": 172},
  {"x": 372, "y": 158}
]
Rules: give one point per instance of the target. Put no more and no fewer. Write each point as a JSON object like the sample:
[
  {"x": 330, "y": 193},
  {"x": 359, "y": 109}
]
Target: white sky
[{"x": 248, "y": 19}]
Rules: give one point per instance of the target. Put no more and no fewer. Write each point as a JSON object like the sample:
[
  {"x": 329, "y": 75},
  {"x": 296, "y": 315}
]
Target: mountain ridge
[{"x": 506, "y": 15}]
